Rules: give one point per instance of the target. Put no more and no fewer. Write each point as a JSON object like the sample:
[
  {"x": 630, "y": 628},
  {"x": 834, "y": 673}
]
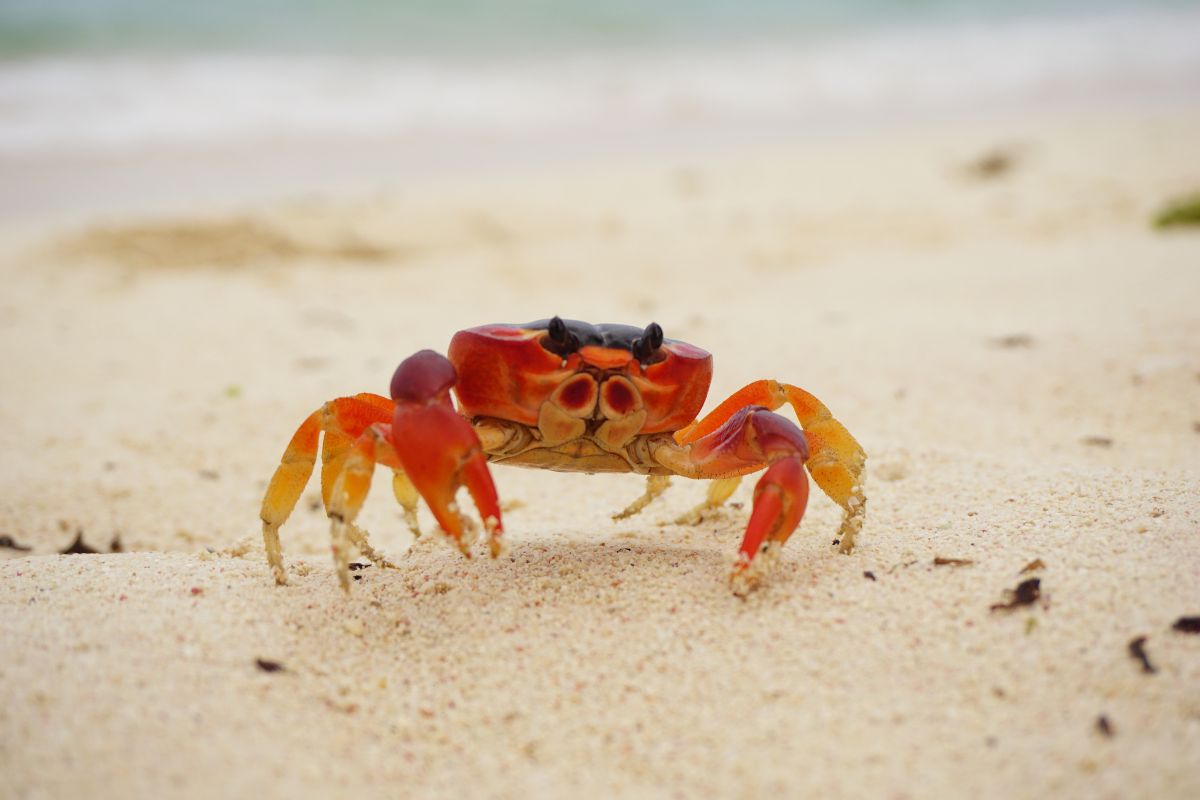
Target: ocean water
[
  {"x": 118, "y": 76},
  {"x": 463, "y": 27}
]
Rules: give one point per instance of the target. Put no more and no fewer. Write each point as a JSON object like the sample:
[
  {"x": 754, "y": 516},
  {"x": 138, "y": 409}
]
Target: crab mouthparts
[{"x": 604, "y": 357}]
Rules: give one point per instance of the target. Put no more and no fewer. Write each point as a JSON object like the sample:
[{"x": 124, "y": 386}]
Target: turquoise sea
[
  {"x": 116, "y": 76},
  {"x": 459, "y": 27}
]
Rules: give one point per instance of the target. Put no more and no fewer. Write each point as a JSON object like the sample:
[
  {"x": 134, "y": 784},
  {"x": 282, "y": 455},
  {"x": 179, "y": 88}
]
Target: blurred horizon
[
  {"x": 458, "y": 28},
  {"x": 96, "y": 94}
]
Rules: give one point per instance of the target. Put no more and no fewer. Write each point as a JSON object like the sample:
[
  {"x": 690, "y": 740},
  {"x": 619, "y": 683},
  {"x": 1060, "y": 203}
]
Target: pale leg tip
[{"x": 748, "y": 574}]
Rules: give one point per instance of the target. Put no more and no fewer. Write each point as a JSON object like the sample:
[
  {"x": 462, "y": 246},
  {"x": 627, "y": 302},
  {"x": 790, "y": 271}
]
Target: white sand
[{"x": 972, "y": 333}]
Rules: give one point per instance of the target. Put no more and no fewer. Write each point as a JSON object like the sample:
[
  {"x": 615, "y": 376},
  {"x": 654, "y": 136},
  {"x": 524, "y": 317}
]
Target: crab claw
[
  {"x": 439, "y": 449},
  {"x": 779, "y": 501}
]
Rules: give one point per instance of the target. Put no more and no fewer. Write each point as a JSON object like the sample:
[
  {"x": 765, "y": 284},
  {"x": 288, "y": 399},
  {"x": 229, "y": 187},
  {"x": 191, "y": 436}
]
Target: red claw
[
  {"x": 438, "y": 448},
  {"x": 779, "y": 502}
]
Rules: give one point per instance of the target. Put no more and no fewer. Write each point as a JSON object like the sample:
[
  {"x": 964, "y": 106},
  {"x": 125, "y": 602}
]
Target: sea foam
[{"x": 120, "y": 104}]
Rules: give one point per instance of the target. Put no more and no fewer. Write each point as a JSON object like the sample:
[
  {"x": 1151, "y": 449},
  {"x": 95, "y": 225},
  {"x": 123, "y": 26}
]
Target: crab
[{"x": 569, "y": 396}]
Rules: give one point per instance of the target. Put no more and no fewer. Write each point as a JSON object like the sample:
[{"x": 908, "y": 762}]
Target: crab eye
[
  {"x": 562, "y": 341},
  {"x": 646, "y": 345}
]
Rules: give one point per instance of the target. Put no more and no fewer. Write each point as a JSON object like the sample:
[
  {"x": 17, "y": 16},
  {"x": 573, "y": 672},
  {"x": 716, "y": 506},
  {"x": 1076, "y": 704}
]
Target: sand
[{"x": 985, "y": 306}]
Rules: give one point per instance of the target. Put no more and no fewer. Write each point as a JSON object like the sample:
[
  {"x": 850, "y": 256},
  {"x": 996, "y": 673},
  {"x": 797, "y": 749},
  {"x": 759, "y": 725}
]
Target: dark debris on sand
[
  {"x": 1137, "y": 649},
  {"x": 8, "y": 543},
  {"x": 1027, "y": 593},
  {"x": 79, "y": 547}
]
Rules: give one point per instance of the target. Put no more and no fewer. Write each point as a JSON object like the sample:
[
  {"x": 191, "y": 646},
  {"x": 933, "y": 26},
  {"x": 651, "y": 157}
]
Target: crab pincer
[
  {"x": 780, "y": 496},
  {"x": 439, "y": 449},
  {"x": 779, "y": 502},
  {"x": 749, "y": 439}
]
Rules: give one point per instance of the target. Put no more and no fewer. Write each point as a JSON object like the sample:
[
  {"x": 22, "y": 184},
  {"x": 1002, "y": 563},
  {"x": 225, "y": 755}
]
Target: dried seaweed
[
  {"x": 1036, "y": 564},
  {"x": 952, "y": 562},
  {"x": 1187, "y": 625},
  {"x": 1179, "y": 212},
  {"x": 268, "y": 666},
  {"x": 78, "y": 547},
  {"x": 1026, "y": 593},
  {"x": 869, "y": 575},
  {"x": 905, "y": 565},
  {"x": 993, "y": 164},
  {"x": 1012, "y": 341},
  {"x": 1097, "y": 441},
  {"x": 1137, "y": 649},
  {"x": 8, "y": 543}
]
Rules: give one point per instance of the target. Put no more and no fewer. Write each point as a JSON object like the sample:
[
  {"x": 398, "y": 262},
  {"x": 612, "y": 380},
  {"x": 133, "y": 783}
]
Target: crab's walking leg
[
  {"x": 748, "y": 440},
  {"x": 342, "y": 420},
  {"x": 406, "y": 496},
  {"x": 655, "y": 485},
  {"x": 837, "y": 460},
  {"x": 348, "y": 492},
  {"x": 719, "y": 491},
  {"x": 439, "y": 450},
  {"x": 285, "y": 488}
]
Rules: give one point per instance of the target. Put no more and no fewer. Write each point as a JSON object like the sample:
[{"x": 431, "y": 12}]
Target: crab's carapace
[{"x": 509, "y": 371}]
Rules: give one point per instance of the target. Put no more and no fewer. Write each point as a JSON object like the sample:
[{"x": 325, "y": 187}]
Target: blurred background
[
  {"x": 965, "y": 226},
  {"x": 271, "y": 97}
]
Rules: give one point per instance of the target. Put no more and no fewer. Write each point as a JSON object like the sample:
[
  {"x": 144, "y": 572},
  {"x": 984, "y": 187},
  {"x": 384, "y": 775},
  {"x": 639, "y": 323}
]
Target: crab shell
[{"x": 509, "y": 372}]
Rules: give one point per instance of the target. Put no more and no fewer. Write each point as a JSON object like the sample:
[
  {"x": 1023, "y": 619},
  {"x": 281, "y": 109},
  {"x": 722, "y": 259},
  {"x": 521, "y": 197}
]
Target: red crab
[{"x": 574, "y": 397}]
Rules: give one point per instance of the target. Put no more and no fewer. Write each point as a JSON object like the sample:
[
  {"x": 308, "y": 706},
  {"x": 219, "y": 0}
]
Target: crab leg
[
  {"x": 719, "y": 491},
  {"x": 751, "y": 438},
  {"x": 655, "y": 485},
  {"x": 348, "y": 492},
  {"x": 343, "y": 421},
  {"x": 837, "y": 459},
  {"x": 439, "y": 450}
]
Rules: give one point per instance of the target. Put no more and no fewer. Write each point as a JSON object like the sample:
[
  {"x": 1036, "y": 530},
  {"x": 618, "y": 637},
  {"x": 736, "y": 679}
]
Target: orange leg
[
  {"x": 348, "y": 491},
  {"x": 750, "y": 439},
  {"x": 837, "y": 460},
  {"x": 343, "y": 420}
]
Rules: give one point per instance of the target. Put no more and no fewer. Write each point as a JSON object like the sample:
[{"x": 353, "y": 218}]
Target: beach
[{"x": 981, "y": 298}]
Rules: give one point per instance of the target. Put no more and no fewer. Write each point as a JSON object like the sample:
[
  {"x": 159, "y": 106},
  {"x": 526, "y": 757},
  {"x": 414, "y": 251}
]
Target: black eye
[
  {"x": 646, "y": 345},
  {"x": 562, "y": 341}
]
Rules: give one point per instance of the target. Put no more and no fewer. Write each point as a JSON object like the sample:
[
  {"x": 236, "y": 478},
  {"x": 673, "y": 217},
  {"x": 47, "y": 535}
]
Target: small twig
[{"x": 1137, "y": 649}]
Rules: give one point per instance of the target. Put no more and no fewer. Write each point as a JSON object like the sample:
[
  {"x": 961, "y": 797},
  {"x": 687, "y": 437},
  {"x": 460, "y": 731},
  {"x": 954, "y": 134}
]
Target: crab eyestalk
[
  {"x": 561, "y": 340},
  {"x": 648, "y": 343},
  {"x": 439, "y": 449}
]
